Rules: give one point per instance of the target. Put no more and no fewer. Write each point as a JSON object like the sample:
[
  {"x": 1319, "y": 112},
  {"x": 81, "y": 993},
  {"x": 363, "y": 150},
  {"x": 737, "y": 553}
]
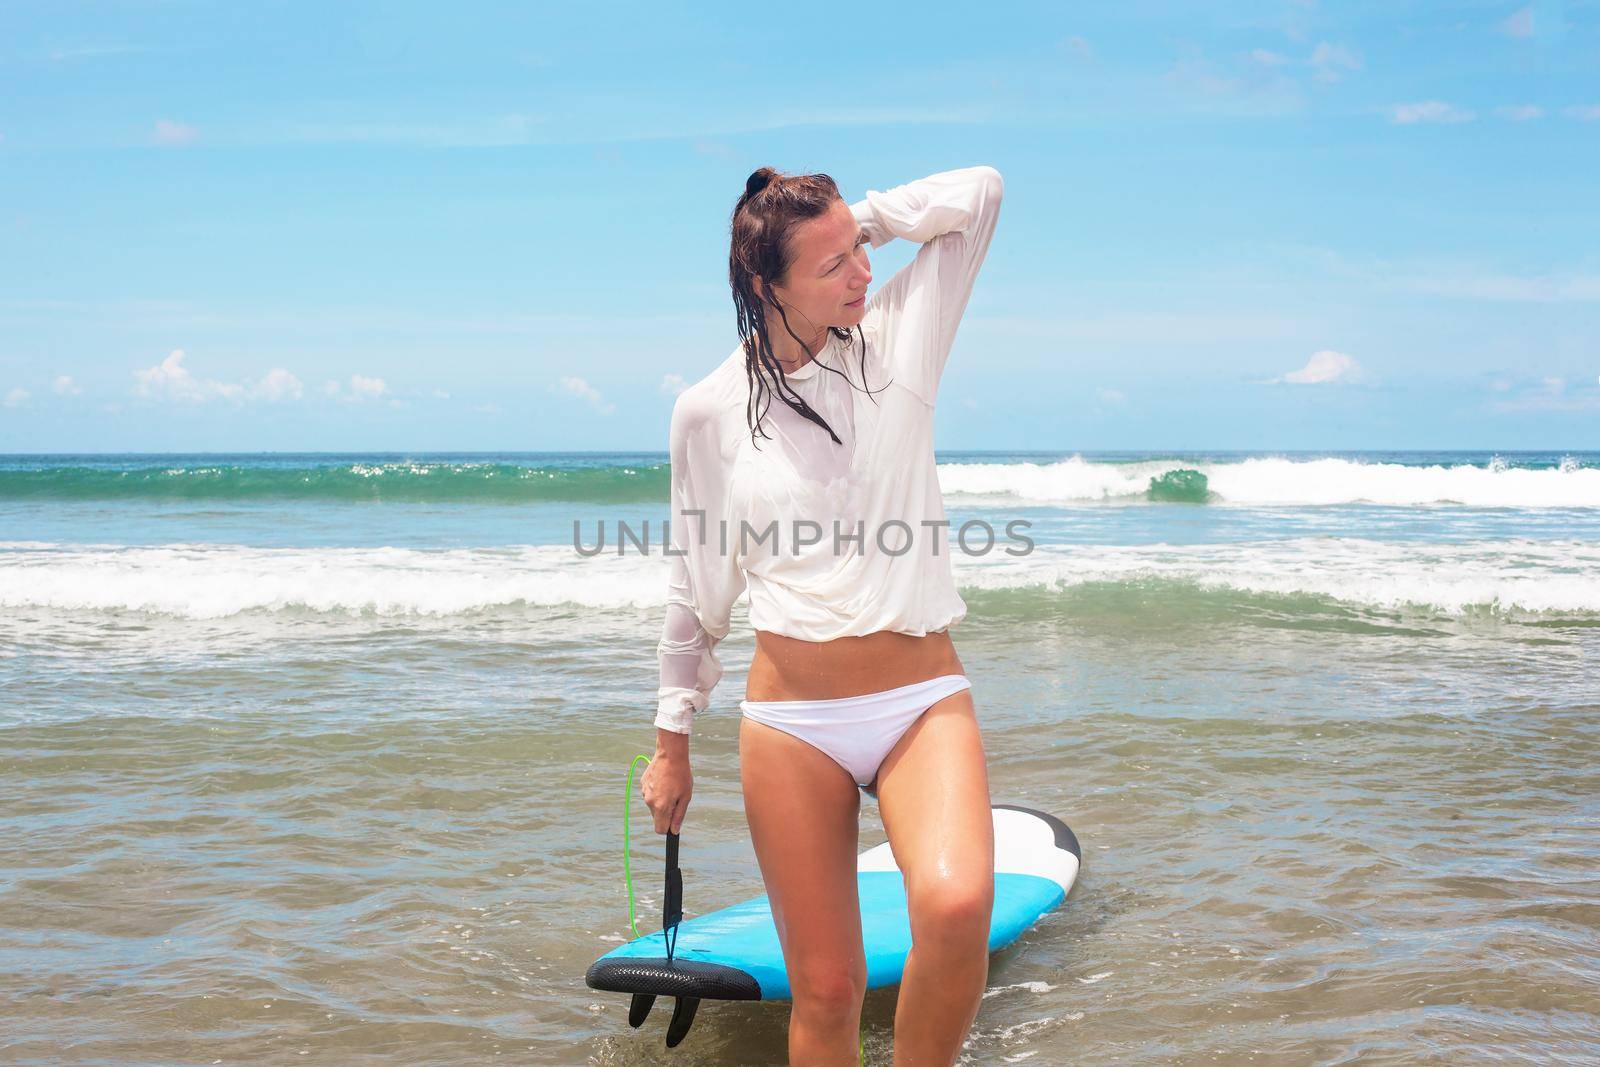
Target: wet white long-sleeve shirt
[{"x": 830, "y": 540}]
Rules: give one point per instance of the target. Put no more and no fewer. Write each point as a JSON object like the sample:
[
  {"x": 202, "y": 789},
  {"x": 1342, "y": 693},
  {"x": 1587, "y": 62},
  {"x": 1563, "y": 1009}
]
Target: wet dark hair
[{"x": 764, "y": 220}]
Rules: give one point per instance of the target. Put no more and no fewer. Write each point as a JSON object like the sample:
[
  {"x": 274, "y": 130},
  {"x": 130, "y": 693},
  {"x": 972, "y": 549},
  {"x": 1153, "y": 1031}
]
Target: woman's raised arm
[{"x": 952, "y": 214}]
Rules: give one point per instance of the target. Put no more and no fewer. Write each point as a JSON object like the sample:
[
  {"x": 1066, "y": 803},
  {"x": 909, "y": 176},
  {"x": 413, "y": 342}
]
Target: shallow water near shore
[{"x": 319, "y": 780}]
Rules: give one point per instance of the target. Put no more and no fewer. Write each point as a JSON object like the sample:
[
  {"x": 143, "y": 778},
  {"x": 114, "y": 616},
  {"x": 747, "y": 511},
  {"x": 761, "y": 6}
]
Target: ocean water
[{"x": 322, "y": 757}]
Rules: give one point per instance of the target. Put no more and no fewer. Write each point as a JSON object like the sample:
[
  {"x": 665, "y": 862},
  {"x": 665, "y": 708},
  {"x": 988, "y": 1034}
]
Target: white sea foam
[
  {"x": 212, "y": 581},
  {"x": 1500, "y": 575},
  {"x": 1031, "y": 987},
  {"x": 1284, "y": 481}
]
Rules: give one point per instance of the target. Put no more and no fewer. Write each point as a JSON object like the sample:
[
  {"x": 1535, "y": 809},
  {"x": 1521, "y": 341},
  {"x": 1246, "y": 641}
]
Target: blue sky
[{"x": 1270, "y": 225}]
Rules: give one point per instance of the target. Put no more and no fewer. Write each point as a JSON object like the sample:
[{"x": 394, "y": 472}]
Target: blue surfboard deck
[{"x": 734, "y": 953}]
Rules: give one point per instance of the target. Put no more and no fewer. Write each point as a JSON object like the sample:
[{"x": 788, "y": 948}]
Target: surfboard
[{"x": 734, "y": 953}]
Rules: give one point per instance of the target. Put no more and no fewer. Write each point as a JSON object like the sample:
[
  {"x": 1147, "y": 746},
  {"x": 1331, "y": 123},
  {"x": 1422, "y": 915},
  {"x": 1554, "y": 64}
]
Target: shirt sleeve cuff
[
  {"x": 868, "y": 221},
  {"x": 674, "y": 712}
]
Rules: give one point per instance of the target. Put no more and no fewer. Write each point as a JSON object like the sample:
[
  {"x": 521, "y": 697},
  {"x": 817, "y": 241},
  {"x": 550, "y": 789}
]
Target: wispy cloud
[
  {"x": 1518, "y": 23},
  {"x": 1458, "y": 279},
  {"x": 1550, "y": 393},
  {"x": 717, "y": 150},
  {"x": 1076, "y": 48},
  {"x": 1153, "y": 326},
  {"x": 1520, "y": 112},
  {"x": 16, "y": 398},
  {"x": 1541, "y": 289},
  {"x": 1254, "y": 84},
  {"x": 168, "y": 132},
  {"x": 1297, "y": 21},
  {"x": 673, "y": 384},
  {"x": 1583, "y": 113},
  {"x": 1192, "y": 71},
  {"x": 410, "y": 321},
  {"x": 581, "y": 389},
  {"x": 1428, "y": 111},
  {"x": 1330, "y": 61},
  {"x": 89, "y": 51},
  {"x": 460, "y": 132},
  {"x": 65, "y": 386}
]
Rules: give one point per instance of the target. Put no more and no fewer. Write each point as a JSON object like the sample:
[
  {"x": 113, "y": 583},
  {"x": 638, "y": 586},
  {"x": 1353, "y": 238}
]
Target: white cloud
[
  {"x": 367, "y": 388},
  {"x": 440, "y": 394},
  {"x": 1110, "y": 397},
  {"x": 1323, "y": 367},
  {"x": 1518, "y": 23},
  {"x": 279, "y": 384},
  {"x": 1429, "y": 111},
  {"x": 1329, "y": 61},
  {"x": 360, "y": 387},
  {"x": 1269, "y": 59},
  {"x": 16, "y": 398},
  {"x": 1585, "y": 113},
  {"x": 169, "y": 132},
  {"x": 1520, "y": 112},
  {"x": 171, "y": 380},
  {"x": 588, "y": 393},
  {"x": 65, "y": 385},
  {"x": 673, "y": 384}
]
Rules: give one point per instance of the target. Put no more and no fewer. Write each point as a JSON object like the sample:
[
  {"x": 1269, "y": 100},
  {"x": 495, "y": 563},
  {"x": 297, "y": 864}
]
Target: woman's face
[{"x": 827, "y": 282}]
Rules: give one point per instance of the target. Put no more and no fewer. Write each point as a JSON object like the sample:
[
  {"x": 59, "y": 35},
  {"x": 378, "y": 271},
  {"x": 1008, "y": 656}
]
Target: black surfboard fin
[
  {"x": 672, "y": 905},
  {"x": 683, "y": 1010},
  {"x": 639, "y": 1007}
]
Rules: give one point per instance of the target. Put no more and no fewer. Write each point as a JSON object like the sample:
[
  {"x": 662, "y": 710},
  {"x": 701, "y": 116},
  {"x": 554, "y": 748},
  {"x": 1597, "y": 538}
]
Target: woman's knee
[
  {"x": 831, "y": 991},
  {"x": 954, "y": 907}
]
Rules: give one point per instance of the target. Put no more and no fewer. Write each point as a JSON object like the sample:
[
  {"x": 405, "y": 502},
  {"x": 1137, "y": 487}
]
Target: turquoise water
[{"x": 324, "y": 755}]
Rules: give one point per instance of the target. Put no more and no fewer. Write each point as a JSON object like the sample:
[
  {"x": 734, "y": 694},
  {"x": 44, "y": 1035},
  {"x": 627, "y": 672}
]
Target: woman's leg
[
  {"x": 804, "y": 811},
  {"x": 933, "y": 794}
]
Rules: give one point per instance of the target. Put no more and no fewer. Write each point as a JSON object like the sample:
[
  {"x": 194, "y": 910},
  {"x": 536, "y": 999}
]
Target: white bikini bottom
[{"x": 859, "y": 731}]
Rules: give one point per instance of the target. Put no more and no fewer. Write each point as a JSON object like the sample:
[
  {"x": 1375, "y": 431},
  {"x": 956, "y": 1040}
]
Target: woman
[{"x": 825, "y": 506}]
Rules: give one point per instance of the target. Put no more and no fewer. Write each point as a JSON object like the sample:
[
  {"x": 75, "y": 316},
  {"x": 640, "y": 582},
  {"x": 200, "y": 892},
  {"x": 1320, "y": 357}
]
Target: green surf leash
[
  {"x": 627, "y": 871},
  {"x": 627, "y": 863}
]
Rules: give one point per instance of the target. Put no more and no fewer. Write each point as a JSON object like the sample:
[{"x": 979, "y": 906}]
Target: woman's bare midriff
[{"x": 787, "y": 668}]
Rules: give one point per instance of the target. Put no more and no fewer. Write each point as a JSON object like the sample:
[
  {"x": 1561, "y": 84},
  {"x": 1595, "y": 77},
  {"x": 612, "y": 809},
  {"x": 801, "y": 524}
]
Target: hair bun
[{"x": 759, "y": 181}]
